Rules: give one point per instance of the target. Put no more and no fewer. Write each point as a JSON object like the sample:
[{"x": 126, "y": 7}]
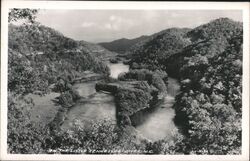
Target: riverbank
[
  {"x": 147, "y": 118},
  {"x": 128, "y": 103},
  {"x": 159, "y": 123},
  {"x": 134, "y": 92}
]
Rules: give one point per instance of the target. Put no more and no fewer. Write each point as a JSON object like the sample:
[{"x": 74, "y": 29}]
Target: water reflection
[
  {"x": 159, "y": 124},
  {"x": 94, "y": 105},
  {"x": 116, "y": 69},
  {"x": 97, "y": 107}
]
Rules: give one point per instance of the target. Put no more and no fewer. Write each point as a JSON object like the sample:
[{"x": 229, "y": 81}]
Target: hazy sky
[{"x": 108, "y": 25}]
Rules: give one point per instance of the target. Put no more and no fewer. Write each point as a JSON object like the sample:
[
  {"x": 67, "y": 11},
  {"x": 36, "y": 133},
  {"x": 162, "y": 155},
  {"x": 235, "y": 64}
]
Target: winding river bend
[
  {"x": 96, "y": 105},
  {"x": 159, "y": 124},
  {"x": 100, "y": 105}
]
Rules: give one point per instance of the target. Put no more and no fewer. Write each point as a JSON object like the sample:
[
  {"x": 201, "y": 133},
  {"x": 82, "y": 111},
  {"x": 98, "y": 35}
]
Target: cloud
[
  {"x": 117, "y": 23},
  {"x": 87, "y": 24},
  {"x": 108, "y": 25},
  {"x": 112, "y": 26},
  {"x": 113, "y": 18}
]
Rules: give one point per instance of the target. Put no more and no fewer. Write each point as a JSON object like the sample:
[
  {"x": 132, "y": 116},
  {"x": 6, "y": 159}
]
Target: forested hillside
[
  {"x": 152, "y": 51},
  {"x": 38, "y": 55},
  {"x": 97, "y": 50},
  {"x": 122, "y": 45},
  {"x": 208, "y": 62}
]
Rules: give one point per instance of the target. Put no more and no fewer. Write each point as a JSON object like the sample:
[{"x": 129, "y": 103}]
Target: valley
[{"x": 177, "y": 91}]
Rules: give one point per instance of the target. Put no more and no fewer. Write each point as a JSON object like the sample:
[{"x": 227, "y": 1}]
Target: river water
[
  {"x": 116, "y": 69},
  {"x": 159, "y": 124},
  {"x": 99, "y": 105},
  {"x": 95, "y": 105}
]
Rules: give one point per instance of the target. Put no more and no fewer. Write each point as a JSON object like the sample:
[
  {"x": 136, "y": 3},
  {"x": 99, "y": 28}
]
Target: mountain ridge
[
  {"x": 121, "y": 45},
  {"x": 159, "y": 46},
  {"x": 48, "y": 54}
]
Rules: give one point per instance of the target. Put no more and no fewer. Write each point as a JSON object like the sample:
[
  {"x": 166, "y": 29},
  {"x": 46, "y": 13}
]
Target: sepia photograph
[{"x": 124, "y": 81}]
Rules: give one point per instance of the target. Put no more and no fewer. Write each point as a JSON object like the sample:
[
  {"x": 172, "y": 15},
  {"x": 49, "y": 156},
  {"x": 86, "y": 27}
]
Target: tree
[{"x": 19, "y": 14}]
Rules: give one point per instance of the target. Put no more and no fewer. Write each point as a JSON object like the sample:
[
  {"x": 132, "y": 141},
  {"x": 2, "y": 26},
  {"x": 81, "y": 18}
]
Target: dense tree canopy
[
  {"x": 16, "y": 14},
  {"x": 207, "y": 60},
  {"x": 37, "y": 57}
]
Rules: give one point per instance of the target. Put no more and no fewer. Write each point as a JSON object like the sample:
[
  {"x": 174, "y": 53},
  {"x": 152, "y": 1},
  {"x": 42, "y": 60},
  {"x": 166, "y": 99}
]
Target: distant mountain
[
  {"x": 122, "y": 45},
  {"x": 207, "y": 61},
  {"x": 97, "y": 50},
  {"x": 160, "y": 45},
  {"x": 165, "y": 48}
]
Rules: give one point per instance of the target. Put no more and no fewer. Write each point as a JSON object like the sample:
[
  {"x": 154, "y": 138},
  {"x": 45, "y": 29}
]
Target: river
[
  {"x": 116, "y": 69},
  {"x": 99, "y": 105},
  {"x": 95, "y": 105},
  {"x": 159, "y": 124}
]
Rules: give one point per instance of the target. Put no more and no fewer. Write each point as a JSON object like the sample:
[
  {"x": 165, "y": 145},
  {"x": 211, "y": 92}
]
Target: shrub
[
  {"x": 99, "y": 137},
  {"x": 23, "y": 135}
]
